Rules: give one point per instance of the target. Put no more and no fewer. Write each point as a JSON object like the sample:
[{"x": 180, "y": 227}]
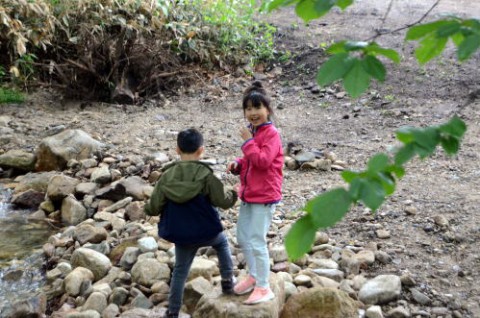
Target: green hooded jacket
[{"x": 181, "y": 181}]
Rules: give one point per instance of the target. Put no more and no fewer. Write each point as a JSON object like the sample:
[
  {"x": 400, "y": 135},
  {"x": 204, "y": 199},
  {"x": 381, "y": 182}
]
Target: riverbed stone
[
  {"x": 98, "y": 263},
  {"x": 111, "y": 311},
  {"x": 37, "y": 181},
  {"x": 96, "y": 301},
  {"x": 72, "y": 211},
  {"x": 18, "y": 159},
  {"x": 135, "y": 186},
  {"x": 215, "y": 304},
  {"x": 101, "y": 175},
  {"x": 156, "y": 271},
  {"x": 320, "y": 302},
  {"x": 84, "y": 314},
  {"x": 86, "y": 233},
  {"x": 381, "y": 289},
  {"x": 194, "y": 290},
  {"x": 76, "y": 278},
  {"x": 203, "y": 267},
  {"x": 54, "y": 152},
  {"x": 118, "y": 296},
  {"x": 29, "y": 198},
  {"x": 374, "y": 312},
  {"x": 60, "y": 186},
  {"x": 134, "y": 211}
]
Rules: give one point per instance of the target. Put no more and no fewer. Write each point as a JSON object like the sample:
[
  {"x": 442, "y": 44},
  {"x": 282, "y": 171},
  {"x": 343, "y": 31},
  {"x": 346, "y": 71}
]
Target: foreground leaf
[
  {"x": 300, "y": 238},
  {"x": 329, "y": 207},
  {"x": 334, "y": 69},
  {"x": 357, "y": 80}
]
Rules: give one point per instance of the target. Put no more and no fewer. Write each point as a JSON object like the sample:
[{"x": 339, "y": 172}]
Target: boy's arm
[
  {"x": 156, "y": 203},
  {"x": 220, "y": 196}
]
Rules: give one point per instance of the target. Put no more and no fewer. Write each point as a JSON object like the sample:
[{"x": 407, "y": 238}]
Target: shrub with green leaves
[
  {"x": 8, "y": 95},
  {"x": 99, "y": 49}
]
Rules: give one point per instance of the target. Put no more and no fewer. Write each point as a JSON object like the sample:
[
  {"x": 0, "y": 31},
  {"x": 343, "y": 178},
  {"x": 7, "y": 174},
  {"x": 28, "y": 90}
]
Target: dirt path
[{"x": 444, "y": 260}]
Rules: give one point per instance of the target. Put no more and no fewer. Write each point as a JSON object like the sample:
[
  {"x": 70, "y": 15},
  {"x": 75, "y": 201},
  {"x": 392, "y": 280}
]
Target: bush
[
  {"x": 127, "y": 49},
  {"x": 8, "y": 95}
]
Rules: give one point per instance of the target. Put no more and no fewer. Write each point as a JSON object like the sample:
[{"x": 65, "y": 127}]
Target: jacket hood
[{"x": 184, "y": 180}]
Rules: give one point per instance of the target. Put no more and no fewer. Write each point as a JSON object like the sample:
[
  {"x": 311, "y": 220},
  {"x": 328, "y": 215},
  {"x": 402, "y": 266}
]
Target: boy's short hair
[{"x": 189, "y": 140}]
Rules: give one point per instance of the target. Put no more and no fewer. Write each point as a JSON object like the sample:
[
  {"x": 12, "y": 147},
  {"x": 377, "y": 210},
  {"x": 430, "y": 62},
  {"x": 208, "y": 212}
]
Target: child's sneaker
[
  {"x": 244, "y": 286},
  {"x": 259, "y": 295},
  {"x": 227, "y": 285}
]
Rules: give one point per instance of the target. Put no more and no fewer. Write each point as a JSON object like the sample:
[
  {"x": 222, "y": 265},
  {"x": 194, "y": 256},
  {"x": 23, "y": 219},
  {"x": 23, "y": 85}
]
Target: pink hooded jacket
[{"x": 260, "y": 168}]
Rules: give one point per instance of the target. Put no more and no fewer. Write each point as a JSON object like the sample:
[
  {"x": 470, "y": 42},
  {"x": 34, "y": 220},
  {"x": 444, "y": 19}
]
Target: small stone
[
  {"x": 411, "y": 210},
  {"x": 383, "y": 234},
  {"x": 440, "y": 220}
]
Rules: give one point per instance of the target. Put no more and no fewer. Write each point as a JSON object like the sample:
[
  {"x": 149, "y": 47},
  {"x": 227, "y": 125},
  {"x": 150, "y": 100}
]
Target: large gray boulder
[
  {"x": 55, "y": 151},
  {"x": 215, "y": 304},
  {"x": 18, "y": 159},
  {"x": 35, "y": 181},
  {"x": 320, "y": 302}
]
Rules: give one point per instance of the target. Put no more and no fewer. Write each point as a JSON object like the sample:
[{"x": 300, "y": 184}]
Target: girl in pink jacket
[{"x": 261, "y": 177}]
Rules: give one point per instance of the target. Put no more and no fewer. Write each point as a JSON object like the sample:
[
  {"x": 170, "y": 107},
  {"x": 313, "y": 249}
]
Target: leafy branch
[
  {"x": 356, "y": 63},
  {"x": 373, "y": 185}
]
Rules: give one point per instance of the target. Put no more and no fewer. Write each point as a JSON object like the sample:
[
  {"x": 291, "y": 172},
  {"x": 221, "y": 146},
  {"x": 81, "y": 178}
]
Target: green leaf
[
  {"x": 457, "y": 39},
  {"x": 338, "y": 47},
  {"x": 427, "y": 138},
  {"x": 405, "y": 134},
  {"x": 355, "y": 189},
  {"x": 349, "y": 176},
  {"x": 399, "y": 171},
  {"x": 356, "y": 45},
  {"x": 468, "y": 46},
  {"x": 333, "y": 69},
  {"x": 419, "y": 31},
  {"x": 455, "y": 127},
  {"x": 372, "y": 194},
  {"x": 343, "y": 4},
  {"x": 377, "y": 163},
  {"x": 312, "y": 9},
  {"x": 272, "y": 5},
  {"x": 357, "y": 80},
  {"x": 374, "y": 67},
  {"x": 430, "y": 47},
  {"x": 387, "y": 181},
  {"x": 300, "y": 238},
  {"x": 448, "y": 29},
  {"x": 451, "y": 145},
  {"x": 388, "y": 53},
  {"x": 404, "y": 154},
  {"x": 329, "y": 207}
]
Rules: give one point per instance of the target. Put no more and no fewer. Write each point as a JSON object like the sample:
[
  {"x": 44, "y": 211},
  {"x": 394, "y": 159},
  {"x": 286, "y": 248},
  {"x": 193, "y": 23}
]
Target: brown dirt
[{"x": 445, "y": 262}]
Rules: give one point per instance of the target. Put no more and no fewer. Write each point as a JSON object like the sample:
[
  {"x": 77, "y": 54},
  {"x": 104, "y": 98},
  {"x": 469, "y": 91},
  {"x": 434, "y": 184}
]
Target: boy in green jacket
[{"x": 185, "y": 197}]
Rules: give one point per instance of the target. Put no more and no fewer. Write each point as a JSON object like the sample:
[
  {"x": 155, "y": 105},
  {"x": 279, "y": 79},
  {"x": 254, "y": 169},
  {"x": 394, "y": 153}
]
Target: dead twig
[{"x": 423, "y": 17}]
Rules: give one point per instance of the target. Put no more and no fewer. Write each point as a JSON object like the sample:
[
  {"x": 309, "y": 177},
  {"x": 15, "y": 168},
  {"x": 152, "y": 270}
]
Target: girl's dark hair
[
  {"x": 189, "y": 140},
  {"x": 256, "y": 96}
]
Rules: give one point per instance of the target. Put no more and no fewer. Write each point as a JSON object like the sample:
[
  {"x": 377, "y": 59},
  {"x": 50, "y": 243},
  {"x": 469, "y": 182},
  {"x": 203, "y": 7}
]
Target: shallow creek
[{"x": 21, "y": 259}]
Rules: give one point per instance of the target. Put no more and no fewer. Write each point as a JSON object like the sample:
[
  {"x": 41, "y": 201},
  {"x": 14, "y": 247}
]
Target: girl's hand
[
  {"x": 236, "y": 188},
  {"x": 232, "y": 166},
  {"x": 245, "y": 133}
]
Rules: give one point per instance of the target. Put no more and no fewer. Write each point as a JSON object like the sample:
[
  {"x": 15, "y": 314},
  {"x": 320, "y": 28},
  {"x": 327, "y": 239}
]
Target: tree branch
[{"x": 379, "y": 33}]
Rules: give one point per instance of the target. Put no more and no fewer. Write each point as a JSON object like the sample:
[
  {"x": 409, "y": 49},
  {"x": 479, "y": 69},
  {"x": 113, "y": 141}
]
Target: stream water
[{"x": 21, "y": 259}]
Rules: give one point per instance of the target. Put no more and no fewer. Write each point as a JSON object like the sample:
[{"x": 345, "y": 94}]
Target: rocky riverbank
[{"x": 109, "y": 262}]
